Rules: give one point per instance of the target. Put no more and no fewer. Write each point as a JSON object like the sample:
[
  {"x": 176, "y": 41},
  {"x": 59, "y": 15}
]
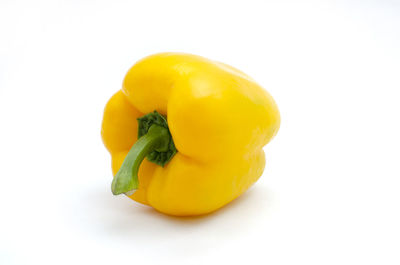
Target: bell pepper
[{"x": 186, "y": 134}]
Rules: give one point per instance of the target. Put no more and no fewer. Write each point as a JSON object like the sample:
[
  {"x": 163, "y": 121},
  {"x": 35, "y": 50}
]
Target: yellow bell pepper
[{"x": 200, "y": 123}]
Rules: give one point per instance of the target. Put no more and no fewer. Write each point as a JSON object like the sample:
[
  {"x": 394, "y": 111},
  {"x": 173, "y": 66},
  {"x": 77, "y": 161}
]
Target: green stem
[{"x": 126, "y": 180}]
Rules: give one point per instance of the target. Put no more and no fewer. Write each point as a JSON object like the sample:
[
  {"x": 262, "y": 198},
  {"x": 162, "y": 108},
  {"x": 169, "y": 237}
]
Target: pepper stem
[{"x": 126, "y": 180}]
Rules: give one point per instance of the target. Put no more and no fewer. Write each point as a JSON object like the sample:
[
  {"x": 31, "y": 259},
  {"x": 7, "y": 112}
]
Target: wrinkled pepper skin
[{"x": 219, "y": 119}]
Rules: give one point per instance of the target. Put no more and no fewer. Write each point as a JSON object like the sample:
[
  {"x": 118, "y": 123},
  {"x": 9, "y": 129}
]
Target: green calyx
[
  {"x": 154, "y": 142},
  {"x": 160, "y": 156}
]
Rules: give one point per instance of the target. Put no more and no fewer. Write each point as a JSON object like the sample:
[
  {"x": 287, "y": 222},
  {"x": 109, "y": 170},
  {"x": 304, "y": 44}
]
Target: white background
[{"x": 330, "y": 193}]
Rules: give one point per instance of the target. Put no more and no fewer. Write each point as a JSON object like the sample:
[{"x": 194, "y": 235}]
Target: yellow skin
[{"x": 219, "y": 119}]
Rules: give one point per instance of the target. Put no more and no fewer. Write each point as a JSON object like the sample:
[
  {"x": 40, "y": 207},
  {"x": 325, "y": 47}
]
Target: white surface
[{"x": 330, "y": 192}]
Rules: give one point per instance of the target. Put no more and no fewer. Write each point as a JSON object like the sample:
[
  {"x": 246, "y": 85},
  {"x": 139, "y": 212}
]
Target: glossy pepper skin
[{"x": 219, "y": 119}]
